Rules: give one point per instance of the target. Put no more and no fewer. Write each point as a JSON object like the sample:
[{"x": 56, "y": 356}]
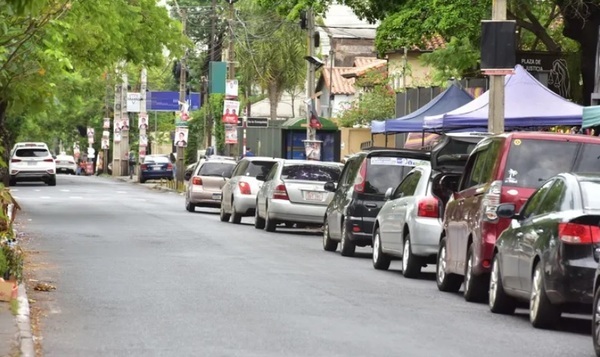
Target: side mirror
[
  {"x": 388, "y": 194},
  {"x": 507, "y": 210},
  {"x": 187, "y": 175},
  {"x": 330, "y": 186},
  {"x": 261, "y": 177}
]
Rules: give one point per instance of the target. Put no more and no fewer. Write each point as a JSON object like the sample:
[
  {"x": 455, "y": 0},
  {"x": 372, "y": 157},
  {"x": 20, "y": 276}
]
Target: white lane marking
[
  {"x": 121, "y": 192},
  {"x": 65, "y": 190},
  {"x": 46, "y": 197},
  {"x": 76, "y": 197},
  {"x": 14, "y": 189},
  {"x": 37, "y": 190}
]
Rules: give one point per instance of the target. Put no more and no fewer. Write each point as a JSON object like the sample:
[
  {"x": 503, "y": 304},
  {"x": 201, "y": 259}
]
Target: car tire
[
  {"x": 142, "y": 180},
  {"x": 270, "y": 224},
  {"x": 329, "y": 244},
  {"x": 411, "y": 264},
  {"x": 447, "y": 282},
  {"x": 499, "y": 301},
  {"x": 596, "y": 323},
  {"x": 235, "y": 216},
  {"x": 347, "y": 248},
  {"x": 542, "y": 313},
  {"x": 224, "y": 217},
  {"x": 52, "y": 181},
  {"x": 476, "y": 286},
  {"x": 190, "y": 207},
  {"x": 259, "y": 223},
  {"x": 381, "y": 261},
  {"x": 12, "y": 182}
]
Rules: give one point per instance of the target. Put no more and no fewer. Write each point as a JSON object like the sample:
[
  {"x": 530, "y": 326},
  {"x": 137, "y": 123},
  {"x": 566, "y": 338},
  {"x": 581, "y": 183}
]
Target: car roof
[
  {"x": 261, "y": 158},
  {"x": 549, "y": 136},
  {"x": 219, "y": 161},
  {"x": 585, "y": 176},
  {"x": 311, "y": 162}
]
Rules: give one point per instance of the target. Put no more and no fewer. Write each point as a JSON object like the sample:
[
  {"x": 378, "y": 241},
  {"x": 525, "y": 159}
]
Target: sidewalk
[{"x": 8, "y": 332}]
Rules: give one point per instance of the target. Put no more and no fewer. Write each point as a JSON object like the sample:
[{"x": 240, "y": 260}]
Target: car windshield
[
  {"x": 590, "y": 190},
  {"x": 386, "y": 172},
  {"x": 219, "y": 169},
  {"x": 310, "y": 172},
  {"x": 531, "y": 162},
  {"x": 32, "y": 153},
  {"x": 156, "y": 160},
  {"x": 65, "y": 158},
  {"x": 256, "y": 168}
]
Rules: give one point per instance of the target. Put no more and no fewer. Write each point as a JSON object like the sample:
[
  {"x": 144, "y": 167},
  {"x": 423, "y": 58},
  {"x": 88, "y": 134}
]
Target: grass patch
[{"x": 14, "y": 306}]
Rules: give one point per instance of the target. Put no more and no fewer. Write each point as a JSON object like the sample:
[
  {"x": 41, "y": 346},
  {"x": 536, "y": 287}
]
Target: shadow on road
[{"x": 576, "y": 324}]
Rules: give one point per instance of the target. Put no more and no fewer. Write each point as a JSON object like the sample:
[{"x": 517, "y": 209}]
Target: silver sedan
[{"x": 293, "y": 193}]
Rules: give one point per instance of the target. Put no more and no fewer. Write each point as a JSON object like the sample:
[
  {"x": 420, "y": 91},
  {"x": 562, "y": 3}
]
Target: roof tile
[{"x": 341, "y": 85}]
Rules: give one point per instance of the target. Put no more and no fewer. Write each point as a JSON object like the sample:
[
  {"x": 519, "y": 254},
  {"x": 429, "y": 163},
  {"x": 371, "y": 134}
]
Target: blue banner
[{"x": 169, "y": 101}]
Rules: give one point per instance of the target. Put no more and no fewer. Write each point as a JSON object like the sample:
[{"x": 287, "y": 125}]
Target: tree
[{"x": 376, "y": 102}]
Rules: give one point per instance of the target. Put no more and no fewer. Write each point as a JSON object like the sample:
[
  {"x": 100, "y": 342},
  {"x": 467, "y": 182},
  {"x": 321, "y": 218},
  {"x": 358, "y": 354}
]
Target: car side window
[
  {"x": 241, "y": 168},
  {"x": 555, "y": 197},
  {"x": 474, "y": 176},
  {"x": 408, "y": 186},
  {"x": 272, "y": 173},
  {"x": 532, "y": 206},
  {"x": 350, "y": 171}
]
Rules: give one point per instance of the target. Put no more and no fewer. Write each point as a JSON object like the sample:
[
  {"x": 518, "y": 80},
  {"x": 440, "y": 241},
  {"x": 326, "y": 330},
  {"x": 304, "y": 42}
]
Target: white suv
[{"x": 32, "y": 164}]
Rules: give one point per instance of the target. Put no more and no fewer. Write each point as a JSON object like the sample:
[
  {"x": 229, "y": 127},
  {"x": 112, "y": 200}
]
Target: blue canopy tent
[
  {"x": 528, "y": 103},
  {"x": 453, "y": 97}
]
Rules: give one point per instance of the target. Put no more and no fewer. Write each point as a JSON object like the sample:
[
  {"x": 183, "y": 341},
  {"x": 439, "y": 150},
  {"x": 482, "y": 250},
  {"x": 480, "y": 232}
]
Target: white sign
[
  {"x": 91, "y": 151},
  {"x": 397, "y": 161},
  {"x": 231, "y": 88},
  {"x": 133, "y": 102}
]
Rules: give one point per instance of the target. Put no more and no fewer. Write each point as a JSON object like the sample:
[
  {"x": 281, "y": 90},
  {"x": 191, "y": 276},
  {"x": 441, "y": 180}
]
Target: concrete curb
[{"x": 24, "y": 324}]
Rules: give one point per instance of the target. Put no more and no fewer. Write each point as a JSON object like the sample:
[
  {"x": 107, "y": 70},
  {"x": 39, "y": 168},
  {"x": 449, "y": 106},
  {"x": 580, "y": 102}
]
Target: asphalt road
[{"x": 137, "y": 275}]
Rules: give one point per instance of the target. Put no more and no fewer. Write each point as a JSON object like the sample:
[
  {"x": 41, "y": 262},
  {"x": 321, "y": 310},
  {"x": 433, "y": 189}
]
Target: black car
[
  {"x": 359, "y": 195},
  {"x": 548, "y": 255}
]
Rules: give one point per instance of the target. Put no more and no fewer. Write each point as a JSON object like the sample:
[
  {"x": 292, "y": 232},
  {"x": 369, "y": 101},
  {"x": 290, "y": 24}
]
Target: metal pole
[
  {"x": 230, "y": 61},
  {"x": 143, "y": 113},
  {"x": 310, "y": 90},
  {"x": 331, "y": 63},
  {"x": 496, "y": 107},
  {"x": 182, "y": 86},
  {"x": 107, "y": 113},
  {"x": 124, "y": 157}
]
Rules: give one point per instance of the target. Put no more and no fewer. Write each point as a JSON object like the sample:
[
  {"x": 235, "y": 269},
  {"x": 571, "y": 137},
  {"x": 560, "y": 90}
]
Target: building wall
[
  {"x": 417, "y": 73},
  {"x": 347, "y": 49},
  {"x": 352, "y": 138}
]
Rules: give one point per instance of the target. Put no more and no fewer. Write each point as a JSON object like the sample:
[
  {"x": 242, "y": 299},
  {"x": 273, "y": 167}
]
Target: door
[
  {"x": 334, "y": 212},
  {"x": 229, "y": 186},
  {"x": 266, "y": 190},
  {"x": 405, "y": 194}
]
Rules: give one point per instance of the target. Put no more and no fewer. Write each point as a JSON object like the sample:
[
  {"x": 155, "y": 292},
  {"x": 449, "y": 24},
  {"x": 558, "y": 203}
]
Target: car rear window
[
  {"x": 256, "y": 168},
  {"x": 311, "y": 172},
  {"x": 156, "y": 159},
  {"x": 216, "y": 169},
  {"x": 386, "y": 172},
  {"x": 32, "y": 153},
  {"x": 531, "y": 162},
  {"x": 590, "y": 190}
]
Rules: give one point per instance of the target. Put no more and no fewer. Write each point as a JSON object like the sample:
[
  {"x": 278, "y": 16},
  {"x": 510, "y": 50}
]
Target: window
[
  {"x": 32, "y": 153},
  {"x": 408, "y": 186},
  {"x": 589, "y": 159},
  {"x": 553, "y": 202},
  {"x": 380, "y": 177},
  {"x": 308, "y": 172},
  {"x": 156, "y": 160},
  {"x": 256, "y": 168},
  {"x": 351, "y": 169},
  {"x": 590, "y": 190},
  {"x": 531, "y": 162},
  {"x": 475, "y": 176},
  {"x": 532, "y": 205},
  {"x": 272, "y": 173},
  {"x": 216, "y": 169},
  {"x": 240, "y": 168}
]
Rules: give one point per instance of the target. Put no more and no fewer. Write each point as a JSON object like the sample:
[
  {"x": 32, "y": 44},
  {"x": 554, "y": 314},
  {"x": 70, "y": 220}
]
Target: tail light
[
  {"x": 428, "y": 207},
  {"x": 48, "y": 160},
  {"x": 574, "y": 233},
  {"x": 244, "y": 188},
  {"x": 196, "y": 180},
  {"x": 71, "y": 162},
  {"x": 491, "y": 200},
  {"x": 144, "y": 167},
  {"x": 169, "y": 166},
  {"x": 15, "y": 160},
  {"x": 361, "y": 177},
  {"x": 280, "y": 193}
]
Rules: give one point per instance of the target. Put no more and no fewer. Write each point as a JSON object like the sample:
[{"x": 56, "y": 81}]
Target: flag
[{"x": 314, "y": 121}]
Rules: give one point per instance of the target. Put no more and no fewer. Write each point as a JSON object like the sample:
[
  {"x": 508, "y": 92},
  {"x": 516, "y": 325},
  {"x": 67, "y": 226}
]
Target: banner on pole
[
  {"x": 231, "y": 134},
  {"x": 230, "y": 111}
]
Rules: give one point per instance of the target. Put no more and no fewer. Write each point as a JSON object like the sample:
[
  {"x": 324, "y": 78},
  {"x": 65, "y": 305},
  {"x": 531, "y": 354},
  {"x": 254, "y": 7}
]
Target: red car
[{"x": 505, "y": 168}]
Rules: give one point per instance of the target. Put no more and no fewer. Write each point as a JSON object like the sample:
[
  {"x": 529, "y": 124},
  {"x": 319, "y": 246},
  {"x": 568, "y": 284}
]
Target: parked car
[
  {"x": 505, "y": 168},
  {"x": 189, "y": 170},
  {"x": 206, "y": 182},
  {"x": 32, "y": 163},
  {"x": 293, "y": 193},
  {"x": 29, "y": 144},
  {"x": 359, "y": 195},
  {"x": 156, "y": 167},
  {"x": 548, "y": 255},
  {"x": 410, "y": 222},
  {"x": 66, "y": 164},
  {"x": 239, "y": 193}
]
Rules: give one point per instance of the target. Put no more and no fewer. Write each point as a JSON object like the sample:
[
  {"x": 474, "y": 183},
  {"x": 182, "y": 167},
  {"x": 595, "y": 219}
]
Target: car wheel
[
  {"x": 235, "y": 216},
  {"x": 190, "y": 207},
  {"x": 542, "y": 313},
  {"x": 328, "y": 244},
  {"x": 224, "y": 217},
  {"x": 52, "y": 181},
  {"x": 500, "y": 302},
  {"x": 476, "y": 286},
  {"x": 596, "y": 323},
  {"x": 270, "y": 224},
  {"x": 259, "y": 223},
  {"x": 381, "y": 261},
  {"x": 142, "y": 180},
  {"x": 12, "y": 182},
  {"x": 347, "y": 248},
  {"x": 411, "y": 265},
  {"x": 445, "y": 281}
]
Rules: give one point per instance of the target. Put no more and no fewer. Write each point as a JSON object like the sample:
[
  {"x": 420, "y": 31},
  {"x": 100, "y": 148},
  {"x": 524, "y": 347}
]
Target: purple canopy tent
[{"x": 528, "y": 103}]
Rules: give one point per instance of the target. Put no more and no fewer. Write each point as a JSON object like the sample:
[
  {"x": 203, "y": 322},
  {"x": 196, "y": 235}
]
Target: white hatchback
[
  {"x": 32, "y": 164},
  {"x": 66, "y": 164}
]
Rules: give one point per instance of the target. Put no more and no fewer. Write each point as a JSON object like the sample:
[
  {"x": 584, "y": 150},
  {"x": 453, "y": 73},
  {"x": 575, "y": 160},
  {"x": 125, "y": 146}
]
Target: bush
[{"x": 3, "y": 264}]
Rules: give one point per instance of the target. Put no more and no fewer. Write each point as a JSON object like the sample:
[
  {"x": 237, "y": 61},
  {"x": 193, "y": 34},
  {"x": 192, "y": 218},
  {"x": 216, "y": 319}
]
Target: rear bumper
[
  {"x": 282, "y": 210},
  {"x": 572, "y": 283},
  {"x": 199, "y": 196},
  {"x": 360, "y": 229},
  {"x": 32, "y": 176},
  {"x": 156, "y": 175},
  {"x": 66, "y": 168},
  {"x": 425, "y": 236},
  {"x": 244, "y": 204}
]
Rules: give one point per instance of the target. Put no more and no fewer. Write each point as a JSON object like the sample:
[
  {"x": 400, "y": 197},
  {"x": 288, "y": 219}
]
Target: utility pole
[
  {"x": 143, "y": 114},
  {"x": 118, "y": 104},
  {"x": 107, "y": 116},
  {"x": 213, "y": 29},
  {"x": 182, "y": 99},
  {"x": 310, "y": 71},
  {"x": 496, "y": 107},
  {"x": 231, "y": 59},
  {"x": 124, "y": 157}
]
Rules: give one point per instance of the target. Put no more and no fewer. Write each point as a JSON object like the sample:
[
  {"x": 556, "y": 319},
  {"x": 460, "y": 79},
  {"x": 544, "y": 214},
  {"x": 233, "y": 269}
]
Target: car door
[
  {"x": 539, "y": 231},
  {"x": 335, "y": 211},
  {"x": 266, "y": 190},
  {"x": 231, "y": 184},
  {"x": 407, "y": 190}
]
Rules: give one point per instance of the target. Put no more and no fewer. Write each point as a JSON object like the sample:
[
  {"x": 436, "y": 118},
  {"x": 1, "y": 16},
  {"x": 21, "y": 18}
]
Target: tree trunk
[
  {"x": 6, "y": 145},
  {"x": 581, "y": 25},
  {"x": 274, "y": 96}
]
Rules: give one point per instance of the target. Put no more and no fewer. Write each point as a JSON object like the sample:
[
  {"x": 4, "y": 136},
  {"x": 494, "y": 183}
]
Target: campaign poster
[
  {"x": 117, "y": 137},
  {"x": 181, "y": 136},
  {"x": 143, "y": 122},
  {"x": 231, "y": 88},
  {"x": 231, "y": 134},
  {"x": 106, "y": 123},
  {"x": 143, "y": 140},
  {"x": 230, "y": 112}
]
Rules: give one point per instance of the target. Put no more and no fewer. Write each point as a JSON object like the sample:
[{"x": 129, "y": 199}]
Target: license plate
[
  {"x": 31, "y": 163},
  {"x": 216, "y": 196},
  {"x": 156, "y": 168},
  {"x": 313, "y": 196}
]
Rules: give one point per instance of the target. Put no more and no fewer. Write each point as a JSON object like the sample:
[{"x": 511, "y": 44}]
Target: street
[{"x": 137, "y": 275}]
